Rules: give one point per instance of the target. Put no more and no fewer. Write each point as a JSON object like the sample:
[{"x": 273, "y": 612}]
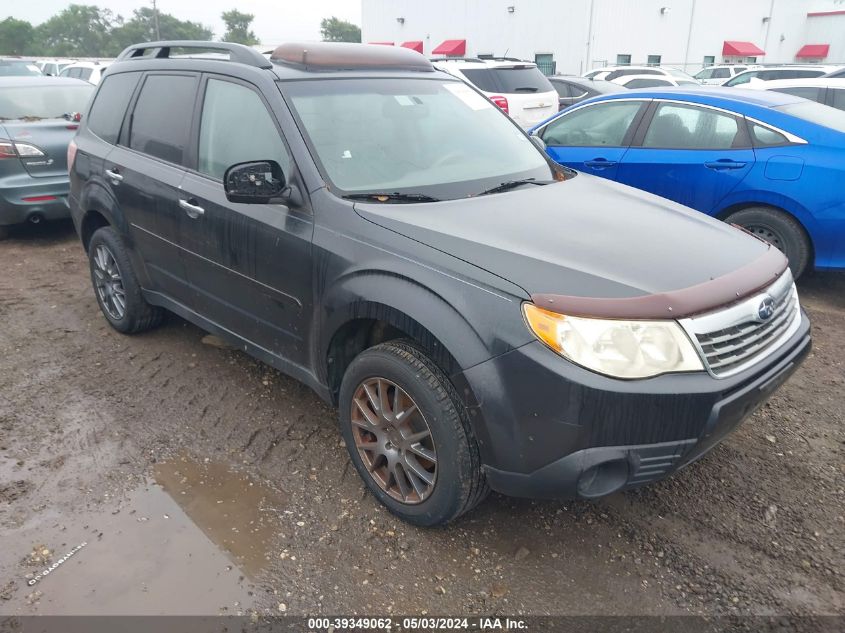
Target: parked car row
[{"x": 90, "y": 71}]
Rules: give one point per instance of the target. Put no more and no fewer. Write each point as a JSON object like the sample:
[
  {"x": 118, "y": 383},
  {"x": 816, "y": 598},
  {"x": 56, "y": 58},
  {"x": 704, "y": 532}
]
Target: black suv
[{"x": 382, "y": 232}]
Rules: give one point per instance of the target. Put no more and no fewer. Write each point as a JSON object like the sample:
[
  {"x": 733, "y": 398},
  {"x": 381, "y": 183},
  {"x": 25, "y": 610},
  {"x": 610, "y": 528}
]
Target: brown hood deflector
[{"x": 675, "y": 304}]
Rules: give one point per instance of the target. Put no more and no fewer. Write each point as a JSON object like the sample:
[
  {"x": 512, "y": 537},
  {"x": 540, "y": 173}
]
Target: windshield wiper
[
  {"x": 525, "y": 89},
  {"x": 513, "y": 184},
  {"x": 391, "y": 197}
]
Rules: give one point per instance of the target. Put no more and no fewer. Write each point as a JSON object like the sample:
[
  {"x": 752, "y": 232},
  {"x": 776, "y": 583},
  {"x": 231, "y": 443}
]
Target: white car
[
  {"x": 91, "y": 72},
  {"x": 717, "y": 75},
  {"x": 53, "y": 67},
  {"x": 652, "y": 81},
  {"x": 518, "y": 88},
  {"x": 827, "y": 91},
  {"x": 770, "y": 73},
  {"x": 609, "y": 73}
]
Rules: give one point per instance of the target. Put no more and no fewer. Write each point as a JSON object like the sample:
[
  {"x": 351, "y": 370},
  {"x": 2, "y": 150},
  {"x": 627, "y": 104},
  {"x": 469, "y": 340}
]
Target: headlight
[{"x": 623, "y": 349}]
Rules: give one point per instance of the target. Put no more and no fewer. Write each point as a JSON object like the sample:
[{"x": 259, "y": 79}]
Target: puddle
[
  {"x": 238, "y": 514},
  {"x": 145, "y": 557},
  {"x": 188, "y": 544}
]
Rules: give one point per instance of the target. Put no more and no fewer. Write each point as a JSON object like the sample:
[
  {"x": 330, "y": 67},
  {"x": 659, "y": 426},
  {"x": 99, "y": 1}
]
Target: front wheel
[
  {"x": 780, "y": 230},
  {"x": 408, "y": 435}
]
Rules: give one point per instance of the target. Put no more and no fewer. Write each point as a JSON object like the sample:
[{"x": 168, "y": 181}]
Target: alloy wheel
[
  {"x": 109, "y": 283},
  {"x": 394, "y": 440}
]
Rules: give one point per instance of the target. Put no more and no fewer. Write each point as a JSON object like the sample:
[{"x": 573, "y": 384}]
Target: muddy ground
[{"x": 201, "y": 481}]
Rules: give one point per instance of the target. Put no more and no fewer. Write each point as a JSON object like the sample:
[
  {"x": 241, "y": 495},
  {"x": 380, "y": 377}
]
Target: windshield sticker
[{"x": 468, "y": 96}]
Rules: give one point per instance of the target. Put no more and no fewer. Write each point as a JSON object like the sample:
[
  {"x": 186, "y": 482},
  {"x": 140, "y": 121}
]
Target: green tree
[
  {"x": 16, "y": 37},
  {"x": 335, "y": 30},
  {"x": 78, "y": 31},
  {"x": 237, "y": 27},
  {"x": 141, "y": 28}
]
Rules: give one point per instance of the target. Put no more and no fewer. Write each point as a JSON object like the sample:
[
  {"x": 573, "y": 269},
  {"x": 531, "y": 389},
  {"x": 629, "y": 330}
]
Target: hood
[{"x": 585, "y": 237}]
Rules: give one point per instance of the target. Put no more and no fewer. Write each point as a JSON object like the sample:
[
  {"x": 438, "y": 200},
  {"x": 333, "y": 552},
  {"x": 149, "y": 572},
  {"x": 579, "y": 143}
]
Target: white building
[{"x": 574, "y": 36}]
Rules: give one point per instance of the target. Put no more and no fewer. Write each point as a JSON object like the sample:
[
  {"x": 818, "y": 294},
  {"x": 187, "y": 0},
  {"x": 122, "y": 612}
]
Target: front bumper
[
  {"x": 550, "y": 429},
  {"x": 15, "y": 209}
]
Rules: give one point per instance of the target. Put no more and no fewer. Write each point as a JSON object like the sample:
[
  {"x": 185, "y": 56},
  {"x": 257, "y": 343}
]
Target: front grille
[{"x": 737, "y": 337}]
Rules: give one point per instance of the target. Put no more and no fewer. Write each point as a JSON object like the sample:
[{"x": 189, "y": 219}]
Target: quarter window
[
  {"x": 838, "y": 98},
  {"x": 235, "y": 128},
  {"x": 766, "y": 137},
  {"x": 110, "y": 104},
  {"x": 161, "y": 120},
  {"x": 603, "y": 124},
  {"x": 689, "y": 127}
]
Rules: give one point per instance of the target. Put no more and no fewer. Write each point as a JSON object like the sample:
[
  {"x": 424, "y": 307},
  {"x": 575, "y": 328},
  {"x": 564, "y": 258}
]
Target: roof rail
[
  {"x": 161, "y": 50},
  {"x": 451, "y": 58}
]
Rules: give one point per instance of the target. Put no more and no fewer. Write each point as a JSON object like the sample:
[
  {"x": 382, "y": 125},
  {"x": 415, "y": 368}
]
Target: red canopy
[
  {"x": 814, "y": 50},
  {"x": 414, "y": 45},
  {"x": 456, "y": 48},
  {"x": 382, "y": 43},
  {"x": 741, "y": 49}
]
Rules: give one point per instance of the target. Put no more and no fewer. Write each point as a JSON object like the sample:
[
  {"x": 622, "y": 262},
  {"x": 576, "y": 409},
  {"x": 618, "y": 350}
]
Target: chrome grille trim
[{"x": 735, "y": 338}]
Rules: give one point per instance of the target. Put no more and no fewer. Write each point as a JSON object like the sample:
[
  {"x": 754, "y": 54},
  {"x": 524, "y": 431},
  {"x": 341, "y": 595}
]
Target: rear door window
[
  {"x": 813, "y": 94},
  {"x": 600, "y": 125},
  {"x": 109, "y": 106},
  {"x": 235, "y": 128},
  {"x": 721, "y": 73},
  {"x": 689, "y": 127},
  {"x": 161, "y": 120}
]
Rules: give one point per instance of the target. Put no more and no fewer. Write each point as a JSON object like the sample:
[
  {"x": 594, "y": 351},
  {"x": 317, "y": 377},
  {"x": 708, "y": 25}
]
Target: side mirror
[
  {"x": 256, "y": 182},
  {"x": 540, "y": 143}
]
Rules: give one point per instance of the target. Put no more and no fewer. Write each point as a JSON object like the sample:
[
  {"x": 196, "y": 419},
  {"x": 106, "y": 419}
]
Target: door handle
[
  {"x": 194, "y": 211},
  {"x": 600, "y": 163},
  {"x": 724, "y": 163},
  {"x": 114, "y": 175}
]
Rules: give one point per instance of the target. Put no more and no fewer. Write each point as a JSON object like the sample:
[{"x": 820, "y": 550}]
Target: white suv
[
  {"x": 517, "y": 87},
  {"x": 717, "y": 75},
  {"x": 609, "y": 73},
  {"x": 91, "y": 72}
]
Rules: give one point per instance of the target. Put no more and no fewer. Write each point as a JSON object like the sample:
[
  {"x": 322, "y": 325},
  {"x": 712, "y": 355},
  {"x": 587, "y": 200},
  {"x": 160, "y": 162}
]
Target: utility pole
[{"x": 155, "y": 20}]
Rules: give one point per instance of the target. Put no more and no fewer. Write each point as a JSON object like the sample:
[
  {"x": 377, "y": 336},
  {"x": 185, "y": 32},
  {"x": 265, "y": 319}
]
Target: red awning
[
  {"x": 414, "y": 45},
  {"x": 818, "y": 51},
  {"x": 457, "y": 48},
  {"x": 741, "y": 49},
  {"x": 382, "y": 43}
]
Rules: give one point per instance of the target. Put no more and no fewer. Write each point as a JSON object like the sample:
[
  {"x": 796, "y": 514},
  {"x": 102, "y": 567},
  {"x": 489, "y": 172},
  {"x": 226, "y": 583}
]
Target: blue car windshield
[{"x": 816, "y": 113}]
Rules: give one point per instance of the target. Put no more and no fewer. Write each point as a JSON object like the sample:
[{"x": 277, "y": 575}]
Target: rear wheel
[
  {"x": 780, "y": 230},
  {"x": 116, "y": 286},
  {"x": 408, "y": 435}
]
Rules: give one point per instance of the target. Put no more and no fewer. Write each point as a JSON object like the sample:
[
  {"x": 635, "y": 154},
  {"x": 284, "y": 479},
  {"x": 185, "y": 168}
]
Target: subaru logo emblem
[{"x": 766, "y": 309}]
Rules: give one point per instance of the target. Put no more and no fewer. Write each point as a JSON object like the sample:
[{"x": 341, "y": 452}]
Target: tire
[
  {"x": 107, "y": 254},
  {"x": 458, "y": 482},
  {"x": 779, "y": 229}
]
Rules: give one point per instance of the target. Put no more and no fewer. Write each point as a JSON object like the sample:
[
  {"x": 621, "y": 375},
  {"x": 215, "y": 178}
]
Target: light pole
[{"x": 155, "y": 20}]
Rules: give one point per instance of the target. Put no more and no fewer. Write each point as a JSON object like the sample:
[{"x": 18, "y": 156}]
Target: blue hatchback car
[{"x": 770, "y": 162}]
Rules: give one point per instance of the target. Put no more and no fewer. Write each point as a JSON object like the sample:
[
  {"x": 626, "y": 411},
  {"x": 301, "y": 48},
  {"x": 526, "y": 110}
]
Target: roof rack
[
  {"x": 161, "y": 50},
  {"x": 458, "y": 59}
]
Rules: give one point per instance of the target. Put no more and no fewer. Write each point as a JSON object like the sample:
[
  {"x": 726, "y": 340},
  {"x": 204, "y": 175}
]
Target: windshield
[
  {"x": 422, "y": 136},
  {"x": 508, "y": 80},
  {"x": 43, "y": 102},
  {"x": 816, "y": 113},
  {"x": 18, "y": 68}
]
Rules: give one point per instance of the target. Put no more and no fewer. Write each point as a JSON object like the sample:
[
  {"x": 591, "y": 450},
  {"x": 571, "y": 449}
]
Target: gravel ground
[{"x": 185, "y": 465}]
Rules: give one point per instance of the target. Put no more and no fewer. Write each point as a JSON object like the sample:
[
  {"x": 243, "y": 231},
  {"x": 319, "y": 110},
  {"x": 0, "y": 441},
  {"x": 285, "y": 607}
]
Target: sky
[{"x": 275, "y": 21}]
